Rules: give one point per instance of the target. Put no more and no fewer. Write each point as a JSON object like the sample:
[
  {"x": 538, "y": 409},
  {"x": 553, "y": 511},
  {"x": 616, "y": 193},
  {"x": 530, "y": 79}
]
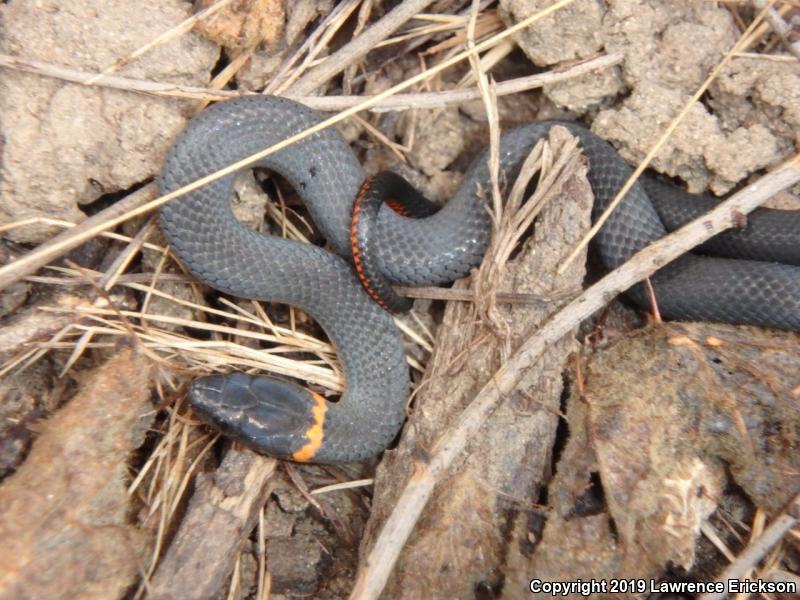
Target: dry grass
[{"x": 241, "y": 336}]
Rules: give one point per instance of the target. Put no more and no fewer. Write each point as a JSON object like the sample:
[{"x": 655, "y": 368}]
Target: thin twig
[
  {"x": 420, "y": 39},
  {"x": 779, "y": 26},
  {"x": 9, "y": 271},
  {"x": 314, "y": 43},
  {"x": 359, "y": 47},
  {"x": 769, "y": 57},
  {"x": 397, "y": 102},
  {"x": 234, "y": 66},
  {"x": 427, "y": 293},
  {"x": 758, "y": 548},
  {"x": 173, "y": 90},
  {"x": 72, "y": 238},
  {"x": 397, "y": 528},
  {"x": 459, "y": 295},
  {"x": 109, "y": 279},
  {"x": 489, "y": 98}
]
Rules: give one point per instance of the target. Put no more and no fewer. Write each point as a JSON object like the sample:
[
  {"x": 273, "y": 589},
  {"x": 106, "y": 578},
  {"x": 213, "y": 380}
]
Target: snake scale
[{"x": 760, "y": 285}]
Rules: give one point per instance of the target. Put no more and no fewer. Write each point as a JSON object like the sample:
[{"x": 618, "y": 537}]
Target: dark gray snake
[{"x": 286, "y": 420}]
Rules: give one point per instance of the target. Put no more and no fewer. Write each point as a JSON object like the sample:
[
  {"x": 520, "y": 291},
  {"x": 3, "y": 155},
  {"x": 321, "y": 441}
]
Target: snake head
[{"x": 270, "y": 416}]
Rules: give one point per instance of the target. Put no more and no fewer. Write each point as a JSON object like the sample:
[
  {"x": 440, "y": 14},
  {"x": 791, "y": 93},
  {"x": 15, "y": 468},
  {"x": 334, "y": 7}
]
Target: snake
[{"x": 756, "y": 281}]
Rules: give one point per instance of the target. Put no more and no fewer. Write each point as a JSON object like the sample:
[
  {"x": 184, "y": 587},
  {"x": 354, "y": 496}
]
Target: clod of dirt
[
  {"x": 571, "y": 33},
  {"x": 439, "y": 140},
  {"x": 25, "y": 397},
  {"x": 244, "y": 23},
  {"x": 64, "y": 526},
  {"x": 258, "y": 70},
  {"x": 675, "y": 44},
  {"x": 249, "y": 201},
  {"x": 300, "y": 13},
  {"x": 748, "y": 122},
  {"x": 13, "y": 297},
  {"x": 308, "y": 555},
  {"x": 580, "y": 94},
  {"x": 700, "y": 152},
  {"x": 760, "y": 91},
  {"x": 668, "y": 406},
  {"x": 65, "y": 144},
  {"x": 277, "y": 522},
  {"x": 665, "y": 413},
  {"x": 297, "y": 564}
]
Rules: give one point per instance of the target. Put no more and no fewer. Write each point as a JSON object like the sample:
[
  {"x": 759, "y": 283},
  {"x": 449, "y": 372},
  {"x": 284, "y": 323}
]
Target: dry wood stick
[
  {"x": 321, "y": 103},
  {"x": 779, "y": 26},
  {"x": 70, "y": 239},
  {"x": 360, "y": 46},
  {"x": 758, "y": 548},
  {"x": 221, "y": 513}
]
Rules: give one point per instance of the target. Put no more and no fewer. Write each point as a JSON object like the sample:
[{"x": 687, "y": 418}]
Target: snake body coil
[{"x": 288, "y": 421}]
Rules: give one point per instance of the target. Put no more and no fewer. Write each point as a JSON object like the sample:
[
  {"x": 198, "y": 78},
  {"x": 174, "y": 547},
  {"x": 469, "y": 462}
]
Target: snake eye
[{"x": 268, "y": 415}]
